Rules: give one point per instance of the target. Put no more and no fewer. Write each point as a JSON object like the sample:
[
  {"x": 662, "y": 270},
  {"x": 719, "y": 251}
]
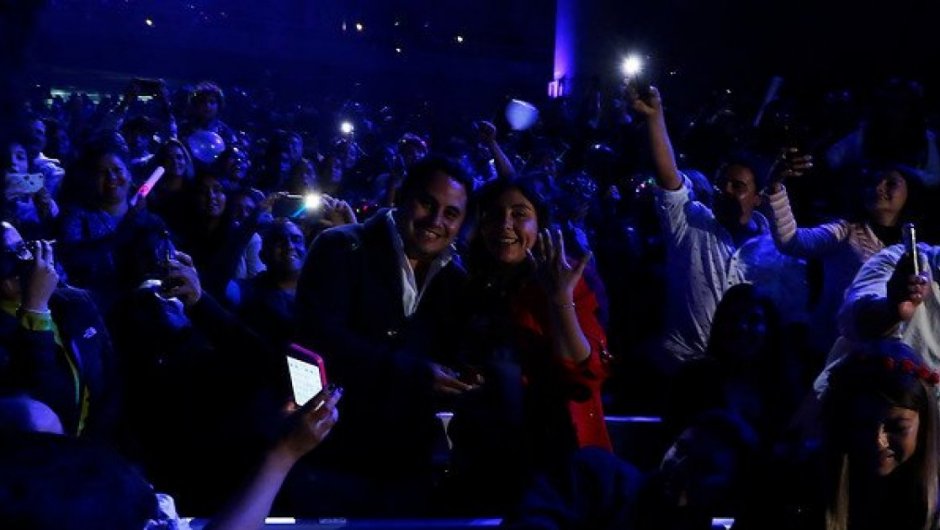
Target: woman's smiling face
[{"x": 510, "y": 227}]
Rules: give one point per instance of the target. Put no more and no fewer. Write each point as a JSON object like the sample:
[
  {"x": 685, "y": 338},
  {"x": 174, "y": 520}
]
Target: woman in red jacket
[{"x": 534, "y": 346}]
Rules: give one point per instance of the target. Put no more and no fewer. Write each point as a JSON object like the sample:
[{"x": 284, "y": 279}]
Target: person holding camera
[
  {"x": 887, "y": 198},
  {"x": 53, "y": 342},
  {"x": 892, "y": 297},
  {"x": 27, "y": 202}
]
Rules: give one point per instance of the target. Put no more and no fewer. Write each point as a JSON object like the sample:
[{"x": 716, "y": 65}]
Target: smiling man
[{"x": 379, "y": 301}]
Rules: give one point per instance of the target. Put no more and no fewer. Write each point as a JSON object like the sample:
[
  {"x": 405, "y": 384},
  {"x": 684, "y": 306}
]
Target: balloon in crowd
[
  {"x": 205, "y": 146},
  {"x": 521, "y": 114}
]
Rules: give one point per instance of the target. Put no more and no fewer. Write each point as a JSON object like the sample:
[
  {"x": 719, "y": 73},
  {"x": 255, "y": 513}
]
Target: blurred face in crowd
[
  {"x": 236, "y": 165},
  {"x": 888, "y": 196},
  {"x": 510, "y": 227},
  {"x": 19, "y": 161},
  {"x": 113, "y": 180},
  {"x": 284, "y": 162},
  {"x": 211, "y": 197},
  {"x": 738, "y": 195},
  {"x": 744, "y": 334},
  {"x": 38, "y": 135},
  {"x": 13, "y": 248},
  {"x": 411, "y": 152},
  {"x": 176, "y": 163},
  {"x": 243, "y": 206},
  {"x": 430, "y": 218},
  {"x": 138, "y": 142},
  {"x": 883, "y": 436},
  {"x": 287, "y": 249},
  {"x": 60, "y": 144},
  {"x": 303, "y": 177},
  {"x": 334, "y": 168},
  {"x": 207, "y": 107},
  {"x": 295, "y": 147},
  {"x": 347, "y": 152}
]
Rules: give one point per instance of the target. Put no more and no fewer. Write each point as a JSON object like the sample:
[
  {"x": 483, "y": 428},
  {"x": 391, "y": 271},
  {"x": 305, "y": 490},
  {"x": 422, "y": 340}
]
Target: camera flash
[
  {"x": 632, "y": 65},
  {"x": 312, "y": 201}
]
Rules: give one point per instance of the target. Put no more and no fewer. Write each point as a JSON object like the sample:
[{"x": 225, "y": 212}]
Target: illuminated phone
[
  {"x": 307, "y": 373},
  {"x": 633, "y": 71},
  {"x": 910, "y": 243},
  {"x": 18, "y": 184}
]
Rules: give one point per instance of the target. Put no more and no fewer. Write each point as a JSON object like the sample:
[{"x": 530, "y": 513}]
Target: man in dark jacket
[{"x": 379, "y": 301}]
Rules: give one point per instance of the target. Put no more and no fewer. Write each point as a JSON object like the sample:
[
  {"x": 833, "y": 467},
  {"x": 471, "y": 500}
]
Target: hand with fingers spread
[
  {"x": 43, "y": 278},
  {"x": 558, "y": 275},
  {"x": 182, "y": 280},
  {"x": 447, "y": 381},
  {"x": 906, "y": 290}
]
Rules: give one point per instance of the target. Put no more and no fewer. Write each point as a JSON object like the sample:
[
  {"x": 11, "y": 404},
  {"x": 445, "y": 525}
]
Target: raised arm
[
  {"x": 801, "y": 242},
  {"x": 884, "y": 294},
  {"x": 664, "y": 159},
  {"x": 307, "y": 427},
  {"x": 559, "y": 278},
  {"x": 504, "y": 167}
]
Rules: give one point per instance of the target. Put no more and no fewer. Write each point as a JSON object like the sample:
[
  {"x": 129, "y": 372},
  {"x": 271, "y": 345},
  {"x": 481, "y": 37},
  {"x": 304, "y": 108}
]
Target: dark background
[{"x": 298, "y": 47}]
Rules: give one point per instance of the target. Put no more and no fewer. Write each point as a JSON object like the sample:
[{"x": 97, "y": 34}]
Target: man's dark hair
[
  {"x": 746, "y": 159},
  {"x": 420, "y": 174}
]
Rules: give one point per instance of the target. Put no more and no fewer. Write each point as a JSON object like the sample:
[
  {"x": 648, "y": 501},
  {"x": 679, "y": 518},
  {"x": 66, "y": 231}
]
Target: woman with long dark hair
[{"x": 535, "y": 347}]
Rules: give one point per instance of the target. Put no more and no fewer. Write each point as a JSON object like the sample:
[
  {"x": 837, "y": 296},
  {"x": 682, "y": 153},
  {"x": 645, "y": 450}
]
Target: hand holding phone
[
  {"x": 309, "y": 425},
  {"x": 637, "y": 81},
  {"x": 42, "y": 278},
  {"x": 909, "y": 234}
]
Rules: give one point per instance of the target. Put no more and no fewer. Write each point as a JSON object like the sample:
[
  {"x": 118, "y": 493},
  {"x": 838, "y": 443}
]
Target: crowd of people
[{"x": 756, "y": 288}]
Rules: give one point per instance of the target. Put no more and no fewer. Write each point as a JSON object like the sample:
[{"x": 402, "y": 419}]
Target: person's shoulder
[
  {"x": 70, "y": 293},
  {"x": 74, "y": 212},
  {"x": 340, "y": 239},
  {"x": 344, "y": 232},
  {"x": 74, "y": 301}
]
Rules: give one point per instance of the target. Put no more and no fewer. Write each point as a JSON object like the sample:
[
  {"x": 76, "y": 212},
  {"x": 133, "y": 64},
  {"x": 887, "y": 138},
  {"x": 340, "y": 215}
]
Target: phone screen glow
[{"x": 305, "y": 380}]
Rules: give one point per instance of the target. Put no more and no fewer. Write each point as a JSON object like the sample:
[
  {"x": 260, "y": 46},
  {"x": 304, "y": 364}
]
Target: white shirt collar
[{"x": 411, "y": 293}]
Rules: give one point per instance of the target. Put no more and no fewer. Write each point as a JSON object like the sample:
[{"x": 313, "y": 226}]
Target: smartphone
[
  {"x": 909, "y": 234},
  {"x": 641, "y": 84},
  {"x": 18, "y": 184},
  {"x": 633, "y": 71},
  {"x": 307, "y": 373}
]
